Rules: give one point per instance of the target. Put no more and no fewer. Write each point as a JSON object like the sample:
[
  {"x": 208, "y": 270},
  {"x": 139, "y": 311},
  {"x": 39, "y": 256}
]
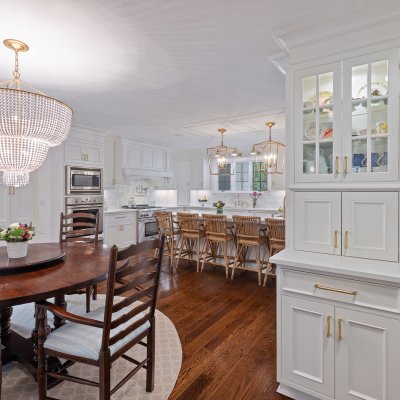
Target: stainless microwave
[{"x": 83, "y": 180}]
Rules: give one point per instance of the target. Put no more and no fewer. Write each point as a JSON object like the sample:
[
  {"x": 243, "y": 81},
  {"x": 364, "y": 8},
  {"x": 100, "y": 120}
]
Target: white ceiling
[{"x": 163, "y": 71}]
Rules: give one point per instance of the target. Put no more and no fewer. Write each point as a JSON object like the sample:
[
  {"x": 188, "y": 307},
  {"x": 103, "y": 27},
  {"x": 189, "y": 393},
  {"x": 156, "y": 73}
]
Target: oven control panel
[{"x": 76, "y": 200}]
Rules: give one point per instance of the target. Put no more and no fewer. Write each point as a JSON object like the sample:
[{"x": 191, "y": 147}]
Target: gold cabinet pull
[
  {"x": 346, "y": 239},
  {"x": 335, "y": 239},
  {"x": 345, "y": 165},
  {"x": 339, "y": 333},
  {"x": 328, "y": 326},
  {"x": 337, "y": 160},
  {"x": 332, "y": 289}
]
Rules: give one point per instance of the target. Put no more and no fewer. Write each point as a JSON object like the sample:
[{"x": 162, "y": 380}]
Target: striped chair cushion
[{"x": 85, "y": 341}]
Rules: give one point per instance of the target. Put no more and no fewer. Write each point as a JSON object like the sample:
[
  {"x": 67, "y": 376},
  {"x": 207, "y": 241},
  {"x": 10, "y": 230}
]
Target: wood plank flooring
[{"x": 227, "y": 329}]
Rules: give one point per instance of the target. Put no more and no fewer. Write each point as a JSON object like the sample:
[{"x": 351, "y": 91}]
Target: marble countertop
[
  {"x": 119, "y": 210},
  {"x": 227, "y": 208},
  {"x": 374, "y": 270}
]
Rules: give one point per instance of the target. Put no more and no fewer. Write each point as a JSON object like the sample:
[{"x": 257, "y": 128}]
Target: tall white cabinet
[{"x": 338, "y": 280}]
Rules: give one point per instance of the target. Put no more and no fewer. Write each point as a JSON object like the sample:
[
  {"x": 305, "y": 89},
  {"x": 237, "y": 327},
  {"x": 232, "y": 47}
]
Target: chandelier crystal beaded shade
[
  {"x": 30, "y": 123},
  {"x": 271, "y": 153},
  {"x": 218, "y": 157}
]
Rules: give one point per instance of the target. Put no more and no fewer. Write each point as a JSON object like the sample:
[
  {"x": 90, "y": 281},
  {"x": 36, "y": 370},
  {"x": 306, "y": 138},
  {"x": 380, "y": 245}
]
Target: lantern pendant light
[
  {"x": 30, "y": 123},
  {"x": 218, "y": 157},
  {"x": 271, "y": 153}
]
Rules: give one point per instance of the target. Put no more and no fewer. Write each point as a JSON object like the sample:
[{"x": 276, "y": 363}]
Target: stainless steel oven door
[
  {"x": 147, "y": 229},
  {"x": 93, "y": 209},
  {"x": 83, "y": 180}
]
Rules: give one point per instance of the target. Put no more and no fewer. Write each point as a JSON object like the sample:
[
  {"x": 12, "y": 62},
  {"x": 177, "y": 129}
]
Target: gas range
[{"x": 144, "y": 210}]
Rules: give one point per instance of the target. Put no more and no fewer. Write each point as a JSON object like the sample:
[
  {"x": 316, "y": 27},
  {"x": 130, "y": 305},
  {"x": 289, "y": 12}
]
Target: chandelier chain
[{"x": 16, "y": 73}]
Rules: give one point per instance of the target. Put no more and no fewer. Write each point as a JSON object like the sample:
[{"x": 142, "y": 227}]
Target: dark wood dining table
[{"x": 81, "y": 266}]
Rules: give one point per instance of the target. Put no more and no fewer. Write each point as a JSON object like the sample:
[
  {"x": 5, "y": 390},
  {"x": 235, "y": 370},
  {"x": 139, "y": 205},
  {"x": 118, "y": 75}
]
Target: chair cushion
[{"x": 85, "y": 341}]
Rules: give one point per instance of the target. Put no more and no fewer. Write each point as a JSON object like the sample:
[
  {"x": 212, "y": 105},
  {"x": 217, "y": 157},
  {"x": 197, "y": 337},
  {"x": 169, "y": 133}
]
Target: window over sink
[{"x": 249, "y": 176}]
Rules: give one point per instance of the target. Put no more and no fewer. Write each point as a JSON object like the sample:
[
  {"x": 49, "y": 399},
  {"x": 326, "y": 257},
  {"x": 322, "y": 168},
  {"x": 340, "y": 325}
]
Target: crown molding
[{"x": 373, "y": 25}]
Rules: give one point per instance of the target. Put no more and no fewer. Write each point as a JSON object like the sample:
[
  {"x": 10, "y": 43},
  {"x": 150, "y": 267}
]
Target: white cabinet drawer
[
  {"x": 119, "y": 218},
  {"x": 344, "y": 290}
]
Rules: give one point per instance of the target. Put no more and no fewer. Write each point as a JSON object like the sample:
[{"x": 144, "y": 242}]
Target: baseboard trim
[{"x": 294, "y": 393}]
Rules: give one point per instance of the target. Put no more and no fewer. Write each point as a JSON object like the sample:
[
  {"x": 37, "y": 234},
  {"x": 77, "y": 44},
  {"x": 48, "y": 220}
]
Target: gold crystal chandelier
[
  {"x": 218, "y": 157},
  {"x": 30, "y": 123},
  {"x": 271, "y": 153}
]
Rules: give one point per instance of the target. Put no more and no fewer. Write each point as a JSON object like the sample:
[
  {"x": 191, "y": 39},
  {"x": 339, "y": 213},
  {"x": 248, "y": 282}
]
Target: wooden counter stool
[
  {"x": 166, "y": 226},
  {"x": 217, "y": 236},
  {"x": 190, "y": 240},
  {"x": 276, "y": 238},
  {"x": 248, "y": 234},
  {"x": 83, "y": 227}
]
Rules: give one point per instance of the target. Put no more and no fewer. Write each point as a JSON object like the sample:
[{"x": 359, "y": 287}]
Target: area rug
[{"x": 19, "y": 385}]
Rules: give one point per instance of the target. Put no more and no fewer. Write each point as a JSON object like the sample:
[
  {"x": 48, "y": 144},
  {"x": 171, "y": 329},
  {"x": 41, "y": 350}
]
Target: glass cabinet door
[
  {"x": 370, "y": 131},
  {"x": 317, "y": 141}
]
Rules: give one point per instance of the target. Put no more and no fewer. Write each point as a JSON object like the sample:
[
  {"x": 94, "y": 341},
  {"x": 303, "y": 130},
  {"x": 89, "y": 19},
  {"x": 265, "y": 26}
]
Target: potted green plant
[
  {"x": 17, "y": 236},
  {"x": 219, "y": 206}
]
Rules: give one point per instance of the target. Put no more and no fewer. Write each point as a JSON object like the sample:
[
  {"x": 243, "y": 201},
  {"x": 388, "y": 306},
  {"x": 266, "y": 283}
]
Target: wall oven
[
  {"x": 89, "y": 204},
  {"x": 82, "y": 180}
]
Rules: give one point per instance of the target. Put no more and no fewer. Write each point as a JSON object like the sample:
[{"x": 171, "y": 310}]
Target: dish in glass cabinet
[
  {"x": 325, "y": 98},
  {"x": 312, "y": 131},
  {"x": 377, "y": 89}
]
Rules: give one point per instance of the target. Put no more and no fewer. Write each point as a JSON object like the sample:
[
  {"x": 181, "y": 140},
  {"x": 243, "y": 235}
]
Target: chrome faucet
[{"x": 237, "y": 199}]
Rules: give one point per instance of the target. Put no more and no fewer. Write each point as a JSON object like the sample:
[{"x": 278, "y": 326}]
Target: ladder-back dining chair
[
  {"x": 218, "y": 242},
  {"x": 249, "y": 235},
  {"x": 106, "y": 334},
  {"x": 166, "y": 226},
  {"x": 192, "y": 233},
  {"x": 83, "y": 227},
  {"x": 276, "y": 238}
]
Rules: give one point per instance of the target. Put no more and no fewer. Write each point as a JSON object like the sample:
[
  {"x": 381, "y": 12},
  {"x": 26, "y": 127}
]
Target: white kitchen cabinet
[
  {"x": 189, "y": 176},
  {"x": 336, "y": 351},
  {"x": 350, "y": 134},
  {"x": 318, "y": 222},
  {"x": 370, "y": 225},
  {"x": 308, "y": 344},
  {"x": 83, "y": 152},
  {"x": 356, "y": 224},
  {"x": 136, "y": 159},
  {"x": 366, "y": 356},
  {"x": 120, "y": 228}
]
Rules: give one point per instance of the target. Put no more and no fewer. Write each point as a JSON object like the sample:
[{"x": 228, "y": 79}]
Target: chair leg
[
  {"x": 88, "y": 295},
  {"x": 151, "y": 351},
  {"x": 94, "y": 297},
  {"x": 104, "y": 376},
  {"x": 42, "y": 361}
]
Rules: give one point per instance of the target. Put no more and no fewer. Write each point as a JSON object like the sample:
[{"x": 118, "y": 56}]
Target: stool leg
[
  {"x": 198, "y": 254},
  {"x": 180, "y": 252},
  {"x": 205, "y": 252},
  {"x": 259, "y": 265},
  {"x": 237, "y": 256},
  {"x": 226, "y": 259}
]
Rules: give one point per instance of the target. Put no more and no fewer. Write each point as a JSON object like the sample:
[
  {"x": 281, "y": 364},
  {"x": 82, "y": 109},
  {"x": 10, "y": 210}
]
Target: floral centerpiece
[
  {"x": 255, "y": 196},
  {"x": 220, "y": 206},
  {"x": 17, "y": 236},
  {"x": 203, "y": 200}
]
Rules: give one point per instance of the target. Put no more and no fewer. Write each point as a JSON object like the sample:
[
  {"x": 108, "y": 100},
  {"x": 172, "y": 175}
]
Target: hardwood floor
[{"x": 227, "y": 329}]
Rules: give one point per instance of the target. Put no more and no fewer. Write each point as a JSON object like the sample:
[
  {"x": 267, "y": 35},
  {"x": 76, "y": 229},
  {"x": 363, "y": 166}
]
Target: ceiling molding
[
  {"x": 343, "y": 24},
  {"x": 280, "y": 61}
]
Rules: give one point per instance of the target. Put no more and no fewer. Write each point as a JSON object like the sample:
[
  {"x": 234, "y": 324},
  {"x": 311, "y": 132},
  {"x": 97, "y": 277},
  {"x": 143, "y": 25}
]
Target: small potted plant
[
  {"x": 220, "y": 206},
  {"x": 17, "y": 236},
  {"x": 203, "y": 200},
  {"x": 255, "y": 196}
]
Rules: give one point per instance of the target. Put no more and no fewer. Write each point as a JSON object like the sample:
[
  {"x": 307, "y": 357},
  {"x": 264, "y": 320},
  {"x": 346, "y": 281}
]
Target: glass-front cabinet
[
  {"x": 370, "y": 118},
  {"x": 318, "y": 105},
  {"x": 346, "y": 120}
]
